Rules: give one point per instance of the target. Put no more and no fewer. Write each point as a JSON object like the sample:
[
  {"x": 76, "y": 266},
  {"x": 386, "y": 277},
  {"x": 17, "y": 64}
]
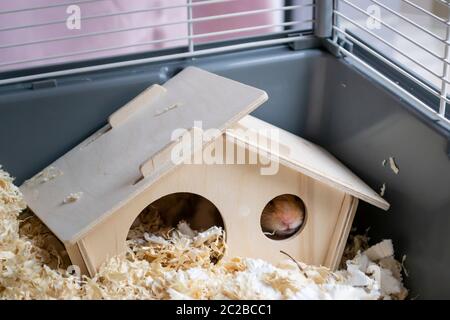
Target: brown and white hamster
[{"x": 283, "y": 216}]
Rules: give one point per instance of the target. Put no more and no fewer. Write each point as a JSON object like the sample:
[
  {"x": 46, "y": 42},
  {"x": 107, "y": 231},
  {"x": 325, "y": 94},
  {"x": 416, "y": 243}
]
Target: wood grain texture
[
  {"x": 106, "y": 168},
  {"x": 341, "y": 232},
  {"x": 120, "y": 171},
  {"x": 76, "y": 258},
  {"x": 312, "y": 160},
  {"x": 145, "y": 99},
  {"x": 240, "y": 193}
]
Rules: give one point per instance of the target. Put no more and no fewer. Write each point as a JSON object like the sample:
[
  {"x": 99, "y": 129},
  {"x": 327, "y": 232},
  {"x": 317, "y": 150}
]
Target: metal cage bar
[
  {"x": 330, "y": 19},
  {"x": 408, "y": 75},
  {"x": 324, "y": 17},
  {"x": 190, "y": 22},
  {"x": 108, "y": 15},
  {"x": 49, "y": 6},
  {"x": 189, "y": 38},
  {"x": 393, "y": 29},
  {"x": 387, "y": 43},
  {"x": 427, "y": 108},
  {"x": 289, "y": 30},
  {"x": 107, "y": 66},
  {"x": 398, "y": 32}
]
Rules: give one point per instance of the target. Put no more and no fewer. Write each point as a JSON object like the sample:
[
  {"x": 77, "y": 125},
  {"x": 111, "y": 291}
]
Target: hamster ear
[
  {"x": 299, "y": 201},
  {"x": 271, "y": 205},
  {"x": 268, "y": 208}
]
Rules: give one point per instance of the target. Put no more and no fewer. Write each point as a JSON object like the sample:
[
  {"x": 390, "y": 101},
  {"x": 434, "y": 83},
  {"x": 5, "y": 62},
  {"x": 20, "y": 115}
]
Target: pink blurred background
[{"x": 134, "y": 38}]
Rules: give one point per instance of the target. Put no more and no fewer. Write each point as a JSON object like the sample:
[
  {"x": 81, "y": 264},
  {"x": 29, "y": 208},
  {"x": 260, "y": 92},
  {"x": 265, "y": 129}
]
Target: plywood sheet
[{"x": 102, "y": 171}]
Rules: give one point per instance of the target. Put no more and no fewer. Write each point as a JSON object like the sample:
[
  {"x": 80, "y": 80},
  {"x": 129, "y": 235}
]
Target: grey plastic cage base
[{"x": 312, "y": 94}]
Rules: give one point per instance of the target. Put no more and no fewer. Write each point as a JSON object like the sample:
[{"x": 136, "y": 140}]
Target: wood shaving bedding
[
  {"x": 73, "y": 197},
  {"x": 393, "y": 165},
  {"x": 173, "y": 263},
  {"x": 44, "y": 176},
  {"x": 383, "y": 190}
]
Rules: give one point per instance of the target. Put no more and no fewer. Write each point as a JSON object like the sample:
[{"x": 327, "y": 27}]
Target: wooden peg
[
  {"x": 165, "y": 154},
  {"x": 146, "y": 98}
]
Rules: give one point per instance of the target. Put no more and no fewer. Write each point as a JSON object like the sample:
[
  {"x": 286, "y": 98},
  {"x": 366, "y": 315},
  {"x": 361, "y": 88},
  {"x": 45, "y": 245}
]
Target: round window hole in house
[
  {"x": 283, "y": 217},
  {"x": 187, "y": 213}
]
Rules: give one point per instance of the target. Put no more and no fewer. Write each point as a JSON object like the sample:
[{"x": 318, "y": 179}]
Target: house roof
[
  {"x": 86, "y": 185},
  {"x": 305, "y": 157}
]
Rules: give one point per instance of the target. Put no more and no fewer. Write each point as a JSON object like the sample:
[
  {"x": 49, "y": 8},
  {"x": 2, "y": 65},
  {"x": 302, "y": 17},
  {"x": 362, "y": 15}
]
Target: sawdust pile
[{"x": 164, "y": 263}]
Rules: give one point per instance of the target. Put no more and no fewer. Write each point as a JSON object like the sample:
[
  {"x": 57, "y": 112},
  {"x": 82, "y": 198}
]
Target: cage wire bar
[
  {"x": 366, "y": 39},
  {"x": 190, "y": 22},
  {"x": 296, "y": 29},
  {"x": 326, "y": 21},
  {"x": 444, "y": 87}
]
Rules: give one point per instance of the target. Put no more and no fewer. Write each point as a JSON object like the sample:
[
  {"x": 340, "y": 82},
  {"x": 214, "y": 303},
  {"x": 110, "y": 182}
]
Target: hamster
[{"x": 283, "y": 216}]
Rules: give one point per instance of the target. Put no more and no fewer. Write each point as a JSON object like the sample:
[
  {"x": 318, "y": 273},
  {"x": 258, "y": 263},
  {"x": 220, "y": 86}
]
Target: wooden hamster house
[{"x": 90, "y": 197}]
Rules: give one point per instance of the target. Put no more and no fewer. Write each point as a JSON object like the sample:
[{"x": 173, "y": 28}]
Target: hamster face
[{"x": 283, "y": 216}]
